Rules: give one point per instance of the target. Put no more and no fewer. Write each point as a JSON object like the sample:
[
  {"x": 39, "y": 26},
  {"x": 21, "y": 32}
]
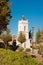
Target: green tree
[
  {"x": 8, "y": 31},
  {"x": 4, "y": 15},
  {"x": 30, "y": 35},
  {"x": 41, "y": 31},
  {"x": 21, "y": 37},
  {"x": 39, "y": 36},
  {"x": 39, "y": 40},
  {"x": 6, "y": 37}
]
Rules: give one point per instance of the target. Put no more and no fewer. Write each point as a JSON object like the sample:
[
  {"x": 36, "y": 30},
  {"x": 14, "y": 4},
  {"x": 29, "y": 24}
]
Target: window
[{"x": 24, "y": 28}]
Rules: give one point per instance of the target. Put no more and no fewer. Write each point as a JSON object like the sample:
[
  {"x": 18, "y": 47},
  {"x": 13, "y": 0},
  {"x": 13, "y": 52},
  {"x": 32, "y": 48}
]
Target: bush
[
  {"x": 20, "y": 48},
  {"x": 27, "y": 50},
  {"x": 42, "y": 55},
  {"x": 2, "y": 45},
  {"x": 40, "y": 52},
  {"x": 36, "y": 47}
]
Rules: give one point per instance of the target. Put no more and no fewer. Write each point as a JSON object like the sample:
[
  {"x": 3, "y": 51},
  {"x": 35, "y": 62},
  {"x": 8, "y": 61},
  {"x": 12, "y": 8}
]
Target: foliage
[
  {"x": 36, "y": 47},
  {"x": 42, "y": 55},
  {"x": 8, "y": 31},
  {"x": 27, "y": 50},
  {"x": 39, "y": 39},
  {"x": 2, "y": 45},
  {"x": 4, "y": 15},
  {"x": 8, "y": 57},
  {"x": 40, "y": 50},
  {"x": 39, "y": 36},
  {"x": 6, "y": 37},
  {"x": 20, "y": 48},
  {"x": 30, "y": 34},
  {"x": 21, "y": 37}
]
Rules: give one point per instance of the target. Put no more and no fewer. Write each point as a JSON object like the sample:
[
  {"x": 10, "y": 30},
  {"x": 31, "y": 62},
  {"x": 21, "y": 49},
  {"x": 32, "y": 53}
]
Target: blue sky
[{"x": 31, "y": 9}]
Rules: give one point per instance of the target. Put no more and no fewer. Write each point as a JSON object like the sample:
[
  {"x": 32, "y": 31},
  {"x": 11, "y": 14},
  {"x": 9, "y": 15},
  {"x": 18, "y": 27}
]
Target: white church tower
[{"x": 23, "y": 26}]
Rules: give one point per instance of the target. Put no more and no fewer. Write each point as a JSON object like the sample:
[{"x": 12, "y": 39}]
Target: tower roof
[{"x": 23, "y": 18}]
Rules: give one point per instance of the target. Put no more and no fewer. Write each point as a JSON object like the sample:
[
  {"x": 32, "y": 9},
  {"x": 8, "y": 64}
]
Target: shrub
[
  {"x": 20, "y": 48},
  {"x": 36, "y": 47},
  {"x": 42, "y": 55},
  {"x": 2, "y": 45},
  {"x": 40, "y": 52},
  {"x": 27, "y": 50}
]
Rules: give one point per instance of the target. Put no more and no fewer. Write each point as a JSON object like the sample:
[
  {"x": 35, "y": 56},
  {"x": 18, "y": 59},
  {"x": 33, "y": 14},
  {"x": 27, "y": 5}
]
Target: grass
[{"x": 8, "y": 57}]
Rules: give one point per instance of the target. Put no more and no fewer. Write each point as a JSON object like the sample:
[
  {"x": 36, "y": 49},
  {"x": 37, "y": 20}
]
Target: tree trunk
[{"x": 6, "y": 46}]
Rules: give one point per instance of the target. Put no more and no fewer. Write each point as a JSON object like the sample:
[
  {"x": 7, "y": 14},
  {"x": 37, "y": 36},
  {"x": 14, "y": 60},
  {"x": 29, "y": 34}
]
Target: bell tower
[{"x": 23, "y": 26}]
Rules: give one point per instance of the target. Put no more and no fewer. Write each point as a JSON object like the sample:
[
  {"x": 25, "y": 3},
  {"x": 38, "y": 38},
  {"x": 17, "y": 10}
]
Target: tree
[
  {"x": 39, "y": 40},
  {"x": 8, "y": 31},
  {"x": 4, "y": 15},
  {"x": 6, "y": 37},
  {"x": 39, "y": 36},
  {"x": 41, "y": 31},
  {"x": 30, "y": 35},
  {"x": 21, "y": 37}
]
